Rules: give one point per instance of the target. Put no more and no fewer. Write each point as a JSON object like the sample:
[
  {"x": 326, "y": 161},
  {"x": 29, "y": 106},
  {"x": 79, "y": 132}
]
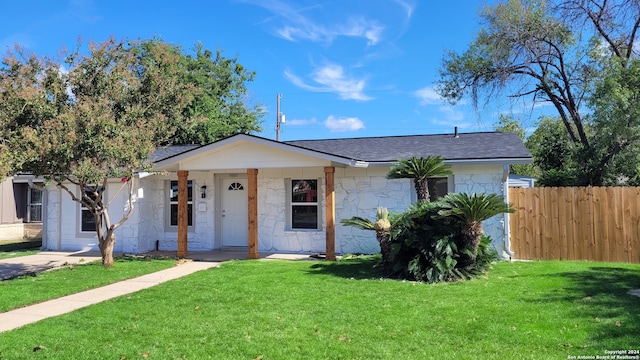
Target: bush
[{"x": 427, "y": 247}]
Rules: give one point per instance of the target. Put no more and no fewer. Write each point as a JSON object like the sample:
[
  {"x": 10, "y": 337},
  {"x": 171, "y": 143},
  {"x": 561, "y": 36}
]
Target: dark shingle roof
[
  {"x": 467, "y": 146},
  {"x": 169, "y": 151}
]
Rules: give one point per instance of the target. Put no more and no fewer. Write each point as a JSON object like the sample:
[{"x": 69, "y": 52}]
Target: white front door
[{"x": 235, "y": 219}]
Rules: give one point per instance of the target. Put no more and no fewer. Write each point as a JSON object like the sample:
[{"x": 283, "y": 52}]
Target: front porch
[
  {"x": 232, "y": 254},
  {"x": 252, "y": 213}
]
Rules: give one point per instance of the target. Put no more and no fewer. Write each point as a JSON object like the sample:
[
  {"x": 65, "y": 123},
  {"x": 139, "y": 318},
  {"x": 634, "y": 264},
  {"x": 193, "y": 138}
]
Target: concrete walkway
[
  {"x": 16, "y": 318},
  {"x": 43, "y": 261},
  {"x": 46, "y": 260}
]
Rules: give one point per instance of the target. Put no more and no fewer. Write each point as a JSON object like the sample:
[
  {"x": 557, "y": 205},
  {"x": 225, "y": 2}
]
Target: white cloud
[
  {"x": 428, "y": 96},
  {"x": 449, "y": 116},
  {"x": 305, "y": 29},
  {"x": 332, "y": 78},
  {"x": 406, "y": 6},
  {"x": 360, "y": 27},
  {"x": 343, "y": 124},
  {"x": 451, "y": 113},
  {"x": 296, "y": 26},
  {"x": 302, "y": 121}
]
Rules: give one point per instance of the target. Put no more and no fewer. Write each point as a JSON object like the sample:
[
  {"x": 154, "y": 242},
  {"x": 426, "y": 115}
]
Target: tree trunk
[
  {"x": 422, "y": 189},
  {"x": 106, "y": 249},
  {"x": 384, "y": 238},
  {"x": 472, "y": 233}
]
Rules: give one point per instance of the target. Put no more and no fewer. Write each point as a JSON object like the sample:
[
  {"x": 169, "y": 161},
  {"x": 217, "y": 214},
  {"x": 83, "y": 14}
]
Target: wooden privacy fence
[{"x": 576, "y": 223}]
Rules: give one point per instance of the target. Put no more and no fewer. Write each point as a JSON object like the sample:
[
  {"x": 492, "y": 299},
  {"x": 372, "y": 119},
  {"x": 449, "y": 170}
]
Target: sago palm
[
  {"x": 419, "y": 169},
  {"x": 382, "y": 226},
  {"x": 471, "y": 210}
]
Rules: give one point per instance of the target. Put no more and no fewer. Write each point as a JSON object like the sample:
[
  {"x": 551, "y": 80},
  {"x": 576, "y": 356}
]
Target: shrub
[{"x": 429, "y": 248}]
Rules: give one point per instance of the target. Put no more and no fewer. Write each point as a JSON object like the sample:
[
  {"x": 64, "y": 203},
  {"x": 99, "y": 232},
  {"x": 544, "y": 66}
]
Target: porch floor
[{"x": 234, "y": 254}]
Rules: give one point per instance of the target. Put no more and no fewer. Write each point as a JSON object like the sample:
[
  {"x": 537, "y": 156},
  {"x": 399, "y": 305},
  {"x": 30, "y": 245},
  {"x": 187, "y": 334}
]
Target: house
[
  {"x": 20, "y": 208},
  {"x": 256, "y": 193},
  {"x": 520, "y": 181}
]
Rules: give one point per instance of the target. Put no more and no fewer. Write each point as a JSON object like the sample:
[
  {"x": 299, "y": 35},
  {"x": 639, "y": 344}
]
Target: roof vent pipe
[{"x": 455, "y": 132}]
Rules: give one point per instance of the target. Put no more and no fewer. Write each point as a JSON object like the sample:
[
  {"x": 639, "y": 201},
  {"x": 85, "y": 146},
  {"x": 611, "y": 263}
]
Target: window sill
[{"x": 291, "y": 230}]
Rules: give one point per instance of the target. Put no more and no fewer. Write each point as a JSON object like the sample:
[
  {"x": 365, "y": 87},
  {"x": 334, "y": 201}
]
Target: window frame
[
  {"x": 438, "y": 178},
  {"x": 290, "y": 204},
  {"x": 33, "y": 206},
  {"x": 83, "y": 210},
  {"x": 191, "y": 185}
]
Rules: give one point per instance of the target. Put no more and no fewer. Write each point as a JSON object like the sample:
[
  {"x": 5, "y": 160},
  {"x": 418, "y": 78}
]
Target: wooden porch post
[
  {"x": 252, "y": 175},
  {"x": 330, "y": 211},
  {"x": 183, "y": 219}
]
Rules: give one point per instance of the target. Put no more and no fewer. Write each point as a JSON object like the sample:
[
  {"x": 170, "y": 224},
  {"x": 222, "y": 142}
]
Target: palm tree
[
  {"x": 419, "y": 169},
  {"x": 382, "y": 226},
  {"x": 471, "y": 210}
]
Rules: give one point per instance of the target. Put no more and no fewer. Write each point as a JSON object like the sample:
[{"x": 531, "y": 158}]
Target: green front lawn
[
  {"x": 19, "y": 247},
  {"x": 31, "y": 289},
  {"x": 318, "y": 310}
]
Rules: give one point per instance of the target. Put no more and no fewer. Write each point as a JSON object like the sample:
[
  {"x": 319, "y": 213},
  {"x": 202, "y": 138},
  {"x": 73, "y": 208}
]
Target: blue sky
[{"x": 345, "y": 68}]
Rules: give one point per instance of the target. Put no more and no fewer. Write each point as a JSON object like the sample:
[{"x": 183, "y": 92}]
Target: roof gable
[{"x": 244, "y": 151}]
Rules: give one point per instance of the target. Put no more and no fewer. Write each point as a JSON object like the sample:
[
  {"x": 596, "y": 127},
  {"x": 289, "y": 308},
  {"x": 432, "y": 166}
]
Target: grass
[
  {"x": 31, "y": 289},
  {"x": 19, "y": 247},
  {"x": 317, "y": 310}
]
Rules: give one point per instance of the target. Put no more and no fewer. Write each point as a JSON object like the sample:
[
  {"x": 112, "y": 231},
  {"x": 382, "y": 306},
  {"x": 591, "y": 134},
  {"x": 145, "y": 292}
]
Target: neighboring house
[
  {"x": 247, "y": 191},
  {"x": 20, "y": 208},
  {"x": 520, "y": 181}
]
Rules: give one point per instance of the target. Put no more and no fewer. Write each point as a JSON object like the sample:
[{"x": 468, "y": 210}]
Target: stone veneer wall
[
  {"x": 51, "y": 217},
  {"x": 484, "y": 179},
  {"x": 273, "y": 236},
  {"x": 358, "y": 192},
  {"x": 149, "y": 209},
  {"x": 154, "y": 220}
]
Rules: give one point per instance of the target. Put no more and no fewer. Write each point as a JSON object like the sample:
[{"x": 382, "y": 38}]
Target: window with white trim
[
  {"x": 173, "y": 203},
  {"x": 87, "y": 220},
  {"x": 34, "y": 207},
  {"x": 303, "y": 204}
]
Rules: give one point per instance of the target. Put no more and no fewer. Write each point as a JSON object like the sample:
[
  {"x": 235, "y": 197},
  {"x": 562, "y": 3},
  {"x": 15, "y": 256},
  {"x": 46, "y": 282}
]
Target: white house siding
[
  {"x": 155, "y": 224},
  {"x": 51, "y": 218},
  {"x": 359, "y": 192},
  {"x": 483, "y": 179},
  {"x": 273, "y": 236},
  {"x": 63, "y": 221},
  {"x": 149, "y": 210}
]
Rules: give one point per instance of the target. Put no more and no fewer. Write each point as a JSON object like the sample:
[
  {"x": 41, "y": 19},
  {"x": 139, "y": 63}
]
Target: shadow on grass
[
  {"x": 359, "y": 268},
  {"x": 8, "y": 246},
  {"x": 602, "y": 293}
]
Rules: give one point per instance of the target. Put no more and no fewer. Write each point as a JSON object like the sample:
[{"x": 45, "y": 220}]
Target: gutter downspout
[{"x": 505, "y": 190}]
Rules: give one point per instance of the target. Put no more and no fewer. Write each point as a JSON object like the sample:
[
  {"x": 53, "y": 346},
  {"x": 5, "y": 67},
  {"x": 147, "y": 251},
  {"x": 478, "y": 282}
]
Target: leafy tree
[
  {"x": 220, "y": 107},
  {"x": 509, "y": 124},
  {"x": 613, "y": 158},
  {"x": 553, "y": 153},
  {"x": 555, "y": 157},
  {"x": 549, "y": 145},
  {"x": 419, "y": 169},
  {"x": 95, "y": 117},
  {"x": 382, "y": 227},
  {"x": 92, "y": 118},
  {"x": 471, "y": 210},
  {"x": 550, "y": 52}
]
